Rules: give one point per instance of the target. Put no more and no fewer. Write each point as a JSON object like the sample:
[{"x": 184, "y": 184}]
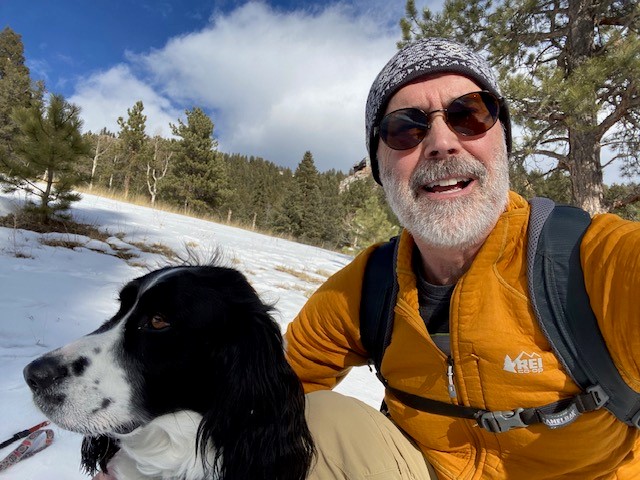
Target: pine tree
[
  {"x": 303, "y": 206},
  {"x": 370, "y": 224},
  {"x": 367, "y": 218},
  {"x": 625, "y": 200},
  {"x": 15, "y": 85},
  {"x": 47, "y": 150},
  {"x": 332, "y": 210},
  {"x": 134, "y": 138},
  {"x": 257, "y": 190},
  {"x": 198, "y": 176},
  {"x": 570, "y": 70}
]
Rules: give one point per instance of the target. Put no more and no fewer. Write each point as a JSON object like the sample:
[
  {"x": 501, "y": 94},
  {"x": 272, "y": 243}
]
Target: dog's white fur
[{"x": 163, "y": 449}]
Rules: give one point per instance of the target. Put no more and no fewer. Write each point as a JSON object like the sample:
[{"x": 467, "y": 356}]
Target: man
[{"x": 438, "y": 135}]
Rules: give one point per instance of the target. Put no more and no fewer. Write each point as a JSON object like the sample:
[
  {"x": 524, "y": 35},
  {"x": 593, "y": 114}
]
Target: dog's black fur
[{"x": 194, "y": 338}]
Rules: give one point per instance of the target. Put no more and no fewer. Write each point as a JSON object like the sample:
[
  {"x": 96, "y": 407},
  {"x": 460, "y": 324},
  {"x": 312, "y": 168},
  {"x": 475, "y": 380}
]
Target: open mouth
[{"x": 449, "y": 185}]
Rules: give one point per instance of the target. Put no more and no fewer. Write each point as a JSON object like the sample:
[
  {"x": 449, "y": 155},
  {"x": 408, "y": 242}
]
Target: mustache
[{"x": 432, "y": 170}]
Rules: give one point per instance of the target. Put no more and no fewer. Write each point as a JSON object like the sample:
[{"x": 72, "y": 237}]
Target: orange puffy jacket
[{"x": 491, "y": 321}]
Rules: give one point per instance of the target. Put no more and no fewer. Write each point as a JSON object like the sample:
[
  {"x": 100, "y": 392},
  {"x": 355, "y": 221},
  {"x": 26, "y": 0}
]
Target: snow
[{"x": 51, "y": 294}]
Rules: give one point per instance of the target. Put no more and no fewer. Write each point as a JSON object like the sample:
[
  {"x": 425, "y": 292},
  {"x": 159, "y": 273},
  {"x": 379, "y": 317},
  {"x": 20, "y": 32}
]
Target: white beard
[{"x": 458, "y": 222}]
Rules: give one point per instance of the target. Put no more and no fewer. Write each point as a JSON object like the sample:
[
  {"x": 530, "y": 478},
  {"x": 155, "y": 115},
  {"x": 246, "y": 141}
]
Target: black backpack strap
[
  {"x": 379, "y": 290},
  {"x": 561, "y": 305}
]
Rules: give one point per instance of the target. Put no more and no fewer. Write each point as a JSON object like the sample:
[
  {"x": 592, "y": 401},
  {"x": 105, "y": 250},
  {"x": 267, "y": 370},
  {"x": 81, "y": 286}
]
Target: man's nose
[{"x": 440, "y": 139}]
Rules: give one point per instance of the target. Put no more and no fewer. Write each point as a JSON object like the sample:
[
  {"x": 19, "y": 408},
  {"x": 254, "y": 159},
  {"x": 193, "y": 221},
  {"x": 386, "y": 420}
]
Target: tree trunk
[
  {"x": 46, "y": 194},
  {"x": 584, "y": 144},
  {"x": 95, "y": 163},
  {"x": 127, "y": 181},
  {"x": 587, "y": 189}
]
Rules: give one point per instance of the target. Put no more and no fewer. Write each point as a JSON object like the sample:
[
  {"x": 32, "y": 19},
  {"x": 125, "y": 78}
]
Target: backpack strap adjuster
[
  {"x": 599, "y": 396},
  {"x": 635, "y": 420},
  {"x": 501, "y": 421}
]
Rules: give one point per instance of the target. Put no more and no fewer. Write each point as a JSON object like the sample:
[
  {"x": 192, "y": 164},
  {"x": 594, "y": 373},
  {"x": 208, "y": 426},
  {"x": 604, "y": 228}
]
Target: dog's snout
[{"x": 44, "y": 372}]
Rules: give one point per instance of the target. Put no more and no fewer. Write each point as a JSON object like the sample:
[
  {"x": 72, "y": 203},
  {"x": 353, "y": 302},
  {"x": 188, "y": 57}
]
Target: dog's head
[{"x": 184, "y": 338}]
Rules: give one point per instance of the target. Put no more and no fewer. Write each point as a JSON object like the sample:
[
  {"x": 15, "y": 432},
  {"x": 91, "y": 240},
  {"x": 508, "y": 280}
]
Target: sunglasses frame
[{"x": 483, "y": 93}]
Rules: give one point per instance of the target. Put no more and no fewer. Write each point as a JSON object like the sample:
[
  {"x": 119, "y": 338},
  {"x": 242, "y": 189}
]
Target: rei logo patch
[{"x": 524, "y": 363}]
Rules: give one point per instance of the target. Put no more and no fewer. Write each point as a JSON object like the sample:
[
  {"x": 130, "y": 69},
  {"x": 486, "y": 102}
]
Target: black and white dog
[{"x": 187, "y": 381}]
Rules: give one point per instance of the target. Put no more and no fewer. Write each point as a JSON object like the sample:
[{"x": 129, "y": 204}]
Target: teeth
[{"x": 447, "y": 183}]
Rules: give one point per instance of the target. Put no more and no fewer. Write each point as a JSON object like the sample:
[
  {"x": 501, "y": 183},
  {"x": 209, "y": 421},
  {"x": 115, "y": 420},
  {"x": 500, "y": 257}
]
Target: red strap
[{"x": 36, "y": 441}]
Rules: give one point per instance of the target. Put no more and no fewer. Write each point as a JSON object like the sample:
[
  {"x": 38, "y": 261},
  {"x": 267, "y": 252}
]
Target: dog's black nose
[{"x": 44, "y": 372}]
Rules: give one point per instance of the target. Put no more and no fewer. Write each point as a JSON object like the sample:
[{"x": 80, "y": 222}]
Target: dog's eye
[{"x": 158, "y": 322}]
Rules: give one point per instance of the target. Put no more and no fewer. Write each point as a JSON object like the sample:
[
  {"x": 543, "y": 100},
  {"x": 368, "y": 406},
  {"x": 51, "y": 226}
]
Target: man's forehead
[{"x": 423, "y": 91}]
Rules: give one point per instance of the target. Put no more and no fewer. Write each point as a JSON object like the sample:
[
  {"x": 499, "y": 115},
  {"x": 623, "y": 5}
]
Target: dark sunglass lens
[
  {"x": 474, "y": 113},
  {"x": 404, "y": 129}
]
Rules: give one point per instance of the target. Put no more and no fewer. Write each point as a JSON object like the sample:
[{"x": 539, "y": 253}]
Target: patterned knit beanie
[{"x": 426, "y": 57}]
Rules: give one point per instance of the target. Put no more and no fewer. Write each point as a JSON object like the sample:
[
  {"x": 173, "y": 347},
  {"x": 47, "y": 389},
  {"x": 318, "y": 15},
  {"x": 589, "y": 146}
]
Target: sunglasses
[{"x": 471, "y": 114}]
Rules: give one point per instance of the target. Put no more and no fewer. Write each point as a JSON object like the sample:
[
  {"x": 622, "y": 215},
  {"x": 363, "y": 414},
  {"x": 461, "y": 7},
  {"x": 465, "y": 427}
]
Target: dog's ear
[
  {"x": 96, "y": 453},
  {"x": 256, "y": 426}
]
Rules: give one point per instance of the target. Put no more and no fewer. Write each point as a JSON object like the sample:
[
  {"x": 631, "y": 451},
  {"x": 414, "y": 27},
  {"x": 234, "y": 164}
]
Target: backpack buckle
[
  {"x": 635, "y": 420},
  {"x": 501, "y": 421},
  {"x": 599, "y": 396}
]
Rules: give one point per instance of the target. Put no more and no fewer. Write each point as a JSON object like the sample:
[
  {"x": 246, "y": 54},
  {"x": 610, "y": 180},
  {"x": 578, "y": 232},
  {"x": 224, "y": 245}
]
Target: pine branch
[
  {"x": 629, "y": 99},
  {"x": 550, "y": 153},
  {"x": 631, "y": 198}
]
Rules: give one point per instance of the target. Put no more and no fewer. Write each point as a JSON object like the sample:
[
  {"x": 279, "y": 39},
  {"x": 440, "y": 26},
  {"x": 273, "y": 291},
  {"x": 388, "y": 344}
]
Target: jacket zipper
[{"x": 451, "y": 386}]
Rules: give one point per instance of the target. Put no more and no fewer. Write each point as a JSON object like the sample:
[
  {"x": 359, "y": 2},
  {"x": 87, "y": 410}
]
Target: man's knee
[{"x": 355, "y": 441}]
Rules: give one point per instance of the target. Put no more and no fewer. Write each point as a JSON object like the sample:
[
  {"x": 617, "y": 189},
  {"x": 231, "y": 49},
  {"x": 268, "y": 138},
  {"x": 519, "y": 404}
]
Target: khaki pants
[{"x": 357, "y": 442}]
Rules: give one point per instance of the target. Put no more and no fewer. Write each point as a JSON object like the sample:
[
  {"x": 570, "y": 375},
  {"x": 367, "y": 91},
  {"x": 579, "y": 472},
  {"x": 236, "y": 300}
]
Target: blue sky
[
  {"x": 68, "y": 38},
  {"x": 278, "y": 78}
]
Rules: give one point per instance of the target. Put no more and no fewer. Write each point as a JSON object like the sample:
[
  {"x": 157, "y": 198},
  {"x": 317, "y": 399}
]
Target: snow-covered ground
[{"x": 51, "y": 294}]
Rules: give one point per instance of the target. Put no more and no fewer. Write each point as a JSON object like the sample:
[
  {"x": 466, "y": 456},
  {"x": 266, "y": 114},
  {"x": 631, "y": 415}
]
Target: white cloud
[
  {"x": 105, "y": 96},
  {"x": 275, "y": 84}
]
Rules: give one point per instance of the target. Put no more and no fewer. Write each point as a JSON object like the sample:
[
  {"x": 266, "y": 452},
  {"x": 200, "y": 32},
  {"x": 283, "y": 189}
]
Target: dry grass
[
  {"x": 323, "y": 273},
  {"x": 26, "y": 221},
  {"x": 300, "y": 274},
  {"x": 60, "y": 243},
  {"x": 307, "y": 292},
  {"x": 156, "y": 248}
]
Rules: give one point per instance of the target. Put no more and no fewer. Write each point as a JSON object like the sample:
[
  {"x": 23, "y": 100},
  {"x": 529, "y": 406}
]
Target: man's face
[{"x": 449, "y": 190}]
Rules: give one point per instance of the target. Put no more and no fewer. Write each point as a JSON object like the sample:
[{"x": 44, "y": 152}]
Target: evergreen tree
[
  {"x": 370, "y": 224},
  {"x": 570, "y": 70},
  {"x": 303, "y": 206},
  {"x": 47, "y": 150},
  {"x": 625, "y": 200},
  {"x": 15, "y": 85},
  {"x": 257, "y": 190},
  {"x": 332, "y": 210},
  {"x": 367, "y": 218},
  {"x": 198, "y": 176},
  {"x": 133, "y": 136},
  {"x": 555, "y": 185}
]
